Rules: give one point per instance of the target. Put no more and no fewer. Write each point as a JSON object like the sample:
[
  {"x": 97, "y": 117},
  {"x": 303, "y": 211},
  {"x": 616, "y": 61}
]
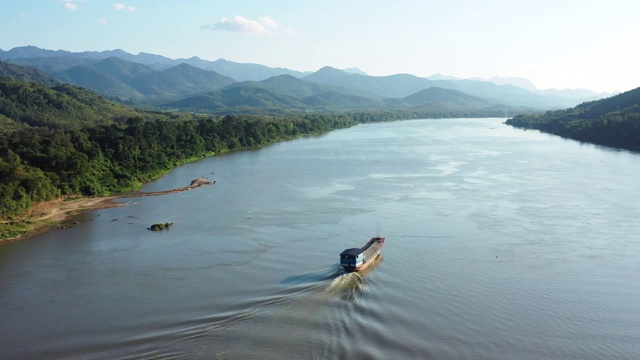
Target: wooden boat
[{"x": 356, "y": 259}]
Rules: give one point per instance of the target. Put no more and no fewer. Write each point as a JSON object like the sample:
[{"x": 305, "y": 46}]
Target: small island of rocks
[{"x": 160, "y": 226}]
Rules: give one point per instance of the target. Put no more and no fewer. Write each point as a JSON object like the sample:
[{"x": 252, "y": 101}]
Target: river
[{"x": 500, "y": 244}]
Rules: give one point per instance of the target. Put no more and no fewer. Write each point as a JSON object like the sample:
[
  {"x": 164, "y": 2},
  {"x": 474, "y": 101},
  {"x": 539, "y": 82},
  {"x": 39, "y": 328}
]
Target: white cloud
[
  {"x": 71, "y": 6},
  {"x": 103, "y": 21},
  {"x": 123, "y": 7},
  {"x": 268, "y": 23},
  {"x": 263, "y": 26}
]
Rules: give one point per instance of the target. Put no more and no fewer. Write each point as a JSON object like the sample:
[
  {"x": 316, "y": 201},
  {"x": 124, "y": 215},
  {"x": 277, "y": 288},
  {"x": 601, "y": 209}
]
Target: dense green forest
[
  {"x": 63, "y": 107},
  {"x": 613, "y": 122},
  {"x": 28, "y": 74},
  {"x": 38, "y": 164}
]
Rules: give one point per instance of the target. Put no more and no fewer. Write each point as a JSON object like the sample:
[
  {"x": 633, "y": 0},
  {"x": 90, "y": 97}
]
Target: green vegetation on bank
[
  {"x": 39, "y": 164},
  {"x": 613, "y": 122}
]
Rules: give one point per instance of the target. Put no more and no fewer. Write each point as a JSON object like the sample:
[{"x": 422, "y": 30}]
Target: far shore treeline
[{"x": 613, "y": 122}]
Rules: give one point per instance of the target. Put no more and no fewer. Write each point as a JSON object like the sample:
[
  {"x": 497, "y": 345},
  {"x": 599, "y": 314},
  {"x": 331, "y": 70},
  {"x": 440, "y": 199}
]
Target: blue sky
[{"x": 554, "y": 43}]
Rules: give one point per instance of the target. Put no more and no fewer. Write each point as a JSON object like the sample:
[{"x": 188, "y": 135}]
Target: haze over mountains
[
  {"x": 51, "y": 61},
  {"x": 132, "y": 81},
  {"x": 223, "y": 86}
]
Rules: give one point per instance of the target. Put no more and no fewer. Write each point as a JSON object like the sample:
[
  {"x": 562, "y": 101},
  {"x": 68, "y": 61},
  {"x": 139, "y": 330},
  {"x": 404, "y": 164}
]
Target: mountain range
[
  {"x": 132, "y": 81},
  {"x": 51, "y": 61},
  {"x": 288, "y": 92},
  {"x": 223, "y": 86}
]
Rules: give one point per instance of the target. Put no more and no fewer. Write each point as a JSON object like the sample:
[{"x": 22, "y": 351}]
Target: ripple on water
[{"x": 501, "y": 244}]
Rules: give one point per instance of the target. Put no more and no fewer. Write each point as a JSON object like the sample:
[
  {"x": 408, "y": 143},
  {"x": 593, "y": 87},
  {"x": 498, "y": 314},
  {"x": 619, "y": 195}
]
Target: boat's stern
[{"x": 351, "y": 259}]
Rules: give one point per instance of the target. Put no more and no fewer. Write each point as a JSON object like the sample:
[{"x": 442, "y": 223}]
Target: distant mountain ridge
[
  {"x": 436, "y": 95},
  {"x": 136, "y": 82},
  {"x": 401, "y": 85},
  {"x": 26, "y": 55},
  {"x": 288, "y": 92},
  {"x": 276, "y": 95},
  {"x": 149, "y": 78},
  {"x": 515, "y": 81},
  {"x": 277, "y": 92}
]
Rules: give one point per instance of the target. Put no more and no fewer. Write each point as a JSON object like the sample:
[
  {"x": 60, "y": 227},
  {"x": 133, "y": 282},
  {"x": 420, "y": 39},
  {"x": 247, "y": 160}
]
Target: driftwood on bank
[{"x": 194, "y": 184}]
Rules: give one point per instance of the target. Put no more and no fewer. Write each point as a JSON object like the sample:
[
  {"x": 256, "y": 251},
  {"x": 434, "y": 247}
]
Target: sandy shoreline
[{"x": 58, "y": 211}]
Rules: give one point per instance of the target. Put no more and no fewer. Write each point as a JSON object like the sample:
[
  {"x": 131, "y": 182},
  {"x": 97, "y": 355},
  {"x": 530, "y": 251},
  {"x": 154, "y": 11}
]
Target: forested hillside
[
  {"x": 63, "y": 106},
  {"x": 26, "y": 74},
  {"x": 38, "y": 164},
  {"x": 614, "y": 121},
  {"x": 127, "y": 81}
]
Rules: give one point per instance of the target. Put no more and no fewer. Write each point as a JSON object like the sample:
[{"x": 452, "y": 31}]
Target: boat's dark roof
[{"x": 352, "y": 252}]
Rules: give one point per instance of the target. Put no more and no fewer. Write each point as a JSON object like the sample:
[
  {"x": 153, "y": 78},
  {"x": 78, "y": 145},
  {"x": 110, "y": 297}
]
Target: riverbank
[{"x": 51, "y": 214}]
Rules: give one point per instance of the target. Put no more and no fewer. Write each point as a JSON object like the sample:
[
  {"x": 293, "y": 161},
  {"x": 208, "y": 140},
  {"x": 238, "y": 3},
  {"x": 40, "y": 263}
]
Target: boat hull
[
  {"x": 361, "y": 267},
  {"x": 371, "y": 250}
]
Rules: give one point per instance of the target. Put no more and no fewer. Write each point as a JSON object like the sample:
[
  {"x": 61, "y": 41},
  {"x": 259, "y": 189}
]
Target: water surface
[{"x": 501, "y": 244}]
